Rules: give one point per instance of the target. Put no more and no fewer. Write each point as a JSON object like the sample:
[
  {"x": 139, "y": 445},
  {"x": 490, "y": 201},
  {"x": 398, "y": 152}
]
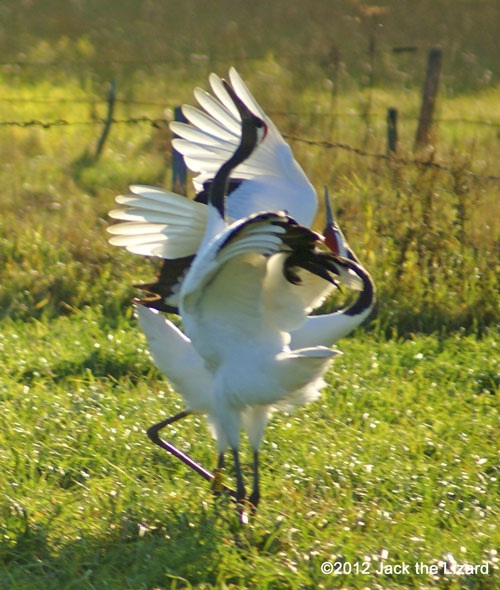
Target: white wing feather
[
  {"x": 218, "y": 111},
  {"x": 214, "y": 133},
  {"x": 159, "y": 223},
  {"x": 176, "y": 358}
]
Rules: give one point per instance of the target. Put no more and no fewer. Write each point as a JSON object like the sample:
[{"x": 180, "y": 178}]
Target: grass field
[
  {"x": 398, "y": 462},
  {"x": 399, "y": 456}
]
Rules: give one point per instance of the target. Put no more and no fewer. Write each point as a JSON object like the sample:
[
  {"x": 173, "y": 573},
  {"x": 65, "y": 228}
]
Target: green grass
[
  {"x": 399, "y": 458},
  {"x": 400, "y": 454}
]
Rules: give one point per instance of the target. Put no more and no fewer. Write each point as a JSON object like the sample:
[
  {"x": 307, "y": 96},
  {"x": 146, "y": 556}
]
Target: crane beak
[
  {"x": 328, "y": 208},
  {"x": 334, "y": 238},
  {"x": 332, "y": 234}
]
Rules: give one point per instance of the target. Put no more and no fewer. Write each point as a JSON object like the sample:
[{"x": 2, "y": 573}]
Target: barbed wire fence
[
  {"x": 162, "y": 122},
  {"x": 165, "y": 105}
]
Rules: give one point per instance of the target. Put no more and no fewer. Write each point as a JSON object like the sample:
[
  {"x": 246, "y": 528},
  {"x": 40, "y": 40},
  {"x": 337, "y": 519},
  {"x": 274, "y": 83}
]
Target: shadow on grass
[
  {"x": 180, "y": 551},
  {"x": 100, "y": 363}
]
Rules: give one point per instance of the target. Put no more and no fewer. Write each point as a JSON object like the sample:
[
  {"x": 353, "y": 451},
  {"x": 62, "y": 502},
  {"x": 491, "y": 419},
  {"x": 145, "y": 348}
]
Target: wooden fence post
[
  {"x": 109, "y": 120},
  {"x": 431, "y": 85},
  {"x": 392, "y": 131},
  {"x": 179, "y": 170}
]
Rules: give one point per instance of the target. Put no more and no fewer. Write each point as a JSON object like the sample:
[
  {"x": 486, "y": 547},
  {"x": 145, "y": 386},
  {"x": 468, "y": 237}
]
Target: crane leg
[
  {"x": 153, "y": 433},
  {"x": 240, "y": 486},
  {"x": 255, "y": 495}
]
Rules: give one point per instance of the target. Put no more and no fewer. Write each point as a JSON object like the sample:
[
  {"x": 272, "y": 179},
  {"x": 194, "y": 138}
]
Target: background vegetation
[{"x": 399, "y": 460}]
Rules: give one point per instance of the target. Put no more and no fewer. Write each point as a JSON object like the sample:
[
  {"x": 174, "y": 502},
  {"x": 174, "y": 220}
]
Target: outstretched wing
[
  {"x": 272, "y": 180},
  {"x": 157, "y": 222}
]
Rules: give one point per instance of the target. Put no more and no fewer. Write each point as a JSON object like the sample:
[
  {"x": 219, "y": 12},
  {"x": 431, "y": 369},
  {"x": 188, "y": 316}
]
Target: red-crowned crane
[
  {"x": 164, "y": 224},
  {"x": 250, "y": 284},
  {"x": 175, "y": 356}
]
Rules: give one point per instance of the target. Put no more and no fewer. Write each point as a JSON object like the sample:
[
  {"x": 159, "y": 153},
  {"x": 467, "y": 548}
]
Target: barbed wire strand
[
  {"x": 62, "y": 122},
  {"x": 166, "y": 105},
  {"x": 392, "y": 158},
  {"x": 161, "y": 123},
  {"x": 86, "y": 101}
]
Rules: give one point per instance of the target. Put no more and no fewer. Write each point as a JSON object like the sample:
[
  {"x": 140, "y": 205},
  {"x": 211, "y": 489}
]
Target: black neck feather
[
  {"x": 366, "y": 296},
  {"x": 249, "y": 137},
  {"x": 220, "y": 183}
]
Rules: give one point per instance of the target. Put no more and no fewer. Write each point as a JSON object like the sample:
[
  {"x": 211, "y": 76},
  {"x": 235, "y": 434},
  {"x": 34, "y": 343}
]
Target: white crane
[
  {"x": 167, "y": 225},
  {"x": 250, "y": 284}
]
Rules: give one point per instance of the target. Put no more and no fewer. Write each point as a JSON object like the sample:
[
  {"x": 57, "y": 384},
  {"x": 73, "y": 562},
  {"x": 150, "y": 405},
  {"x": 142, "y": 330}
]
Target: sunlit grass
[{"x": 398, "y": 456}]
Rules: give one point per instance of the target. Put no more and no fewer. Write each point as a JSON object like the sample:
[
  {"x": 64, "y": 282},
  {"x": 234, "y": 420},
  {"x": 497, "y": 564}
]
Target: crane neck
[
  {"x": 253, "y": 129},
  {"x": 366, "y": 298},
  {"x": 249, "y": 139}
]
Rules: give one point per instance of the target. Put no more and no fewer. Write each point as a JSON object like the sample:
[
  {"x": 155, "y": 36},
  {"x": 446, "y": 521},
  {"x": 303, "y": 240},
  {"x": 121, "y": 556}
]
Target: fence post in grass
[
  {"x": 431, "y": 85},
  {"x": 109, "y": 119},
  {"x": 392, "y": 131},
  {"x": 179, "y": 170}
]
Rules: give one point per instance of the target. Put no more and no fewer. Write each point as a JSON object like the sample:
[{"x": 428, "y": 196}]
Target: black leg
[
  {"x": 153, "y": 433},
  {"x": 255, "y": 495},
  {"x": 220, "y": 462},
  {"x": 240, "y": 486}
]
